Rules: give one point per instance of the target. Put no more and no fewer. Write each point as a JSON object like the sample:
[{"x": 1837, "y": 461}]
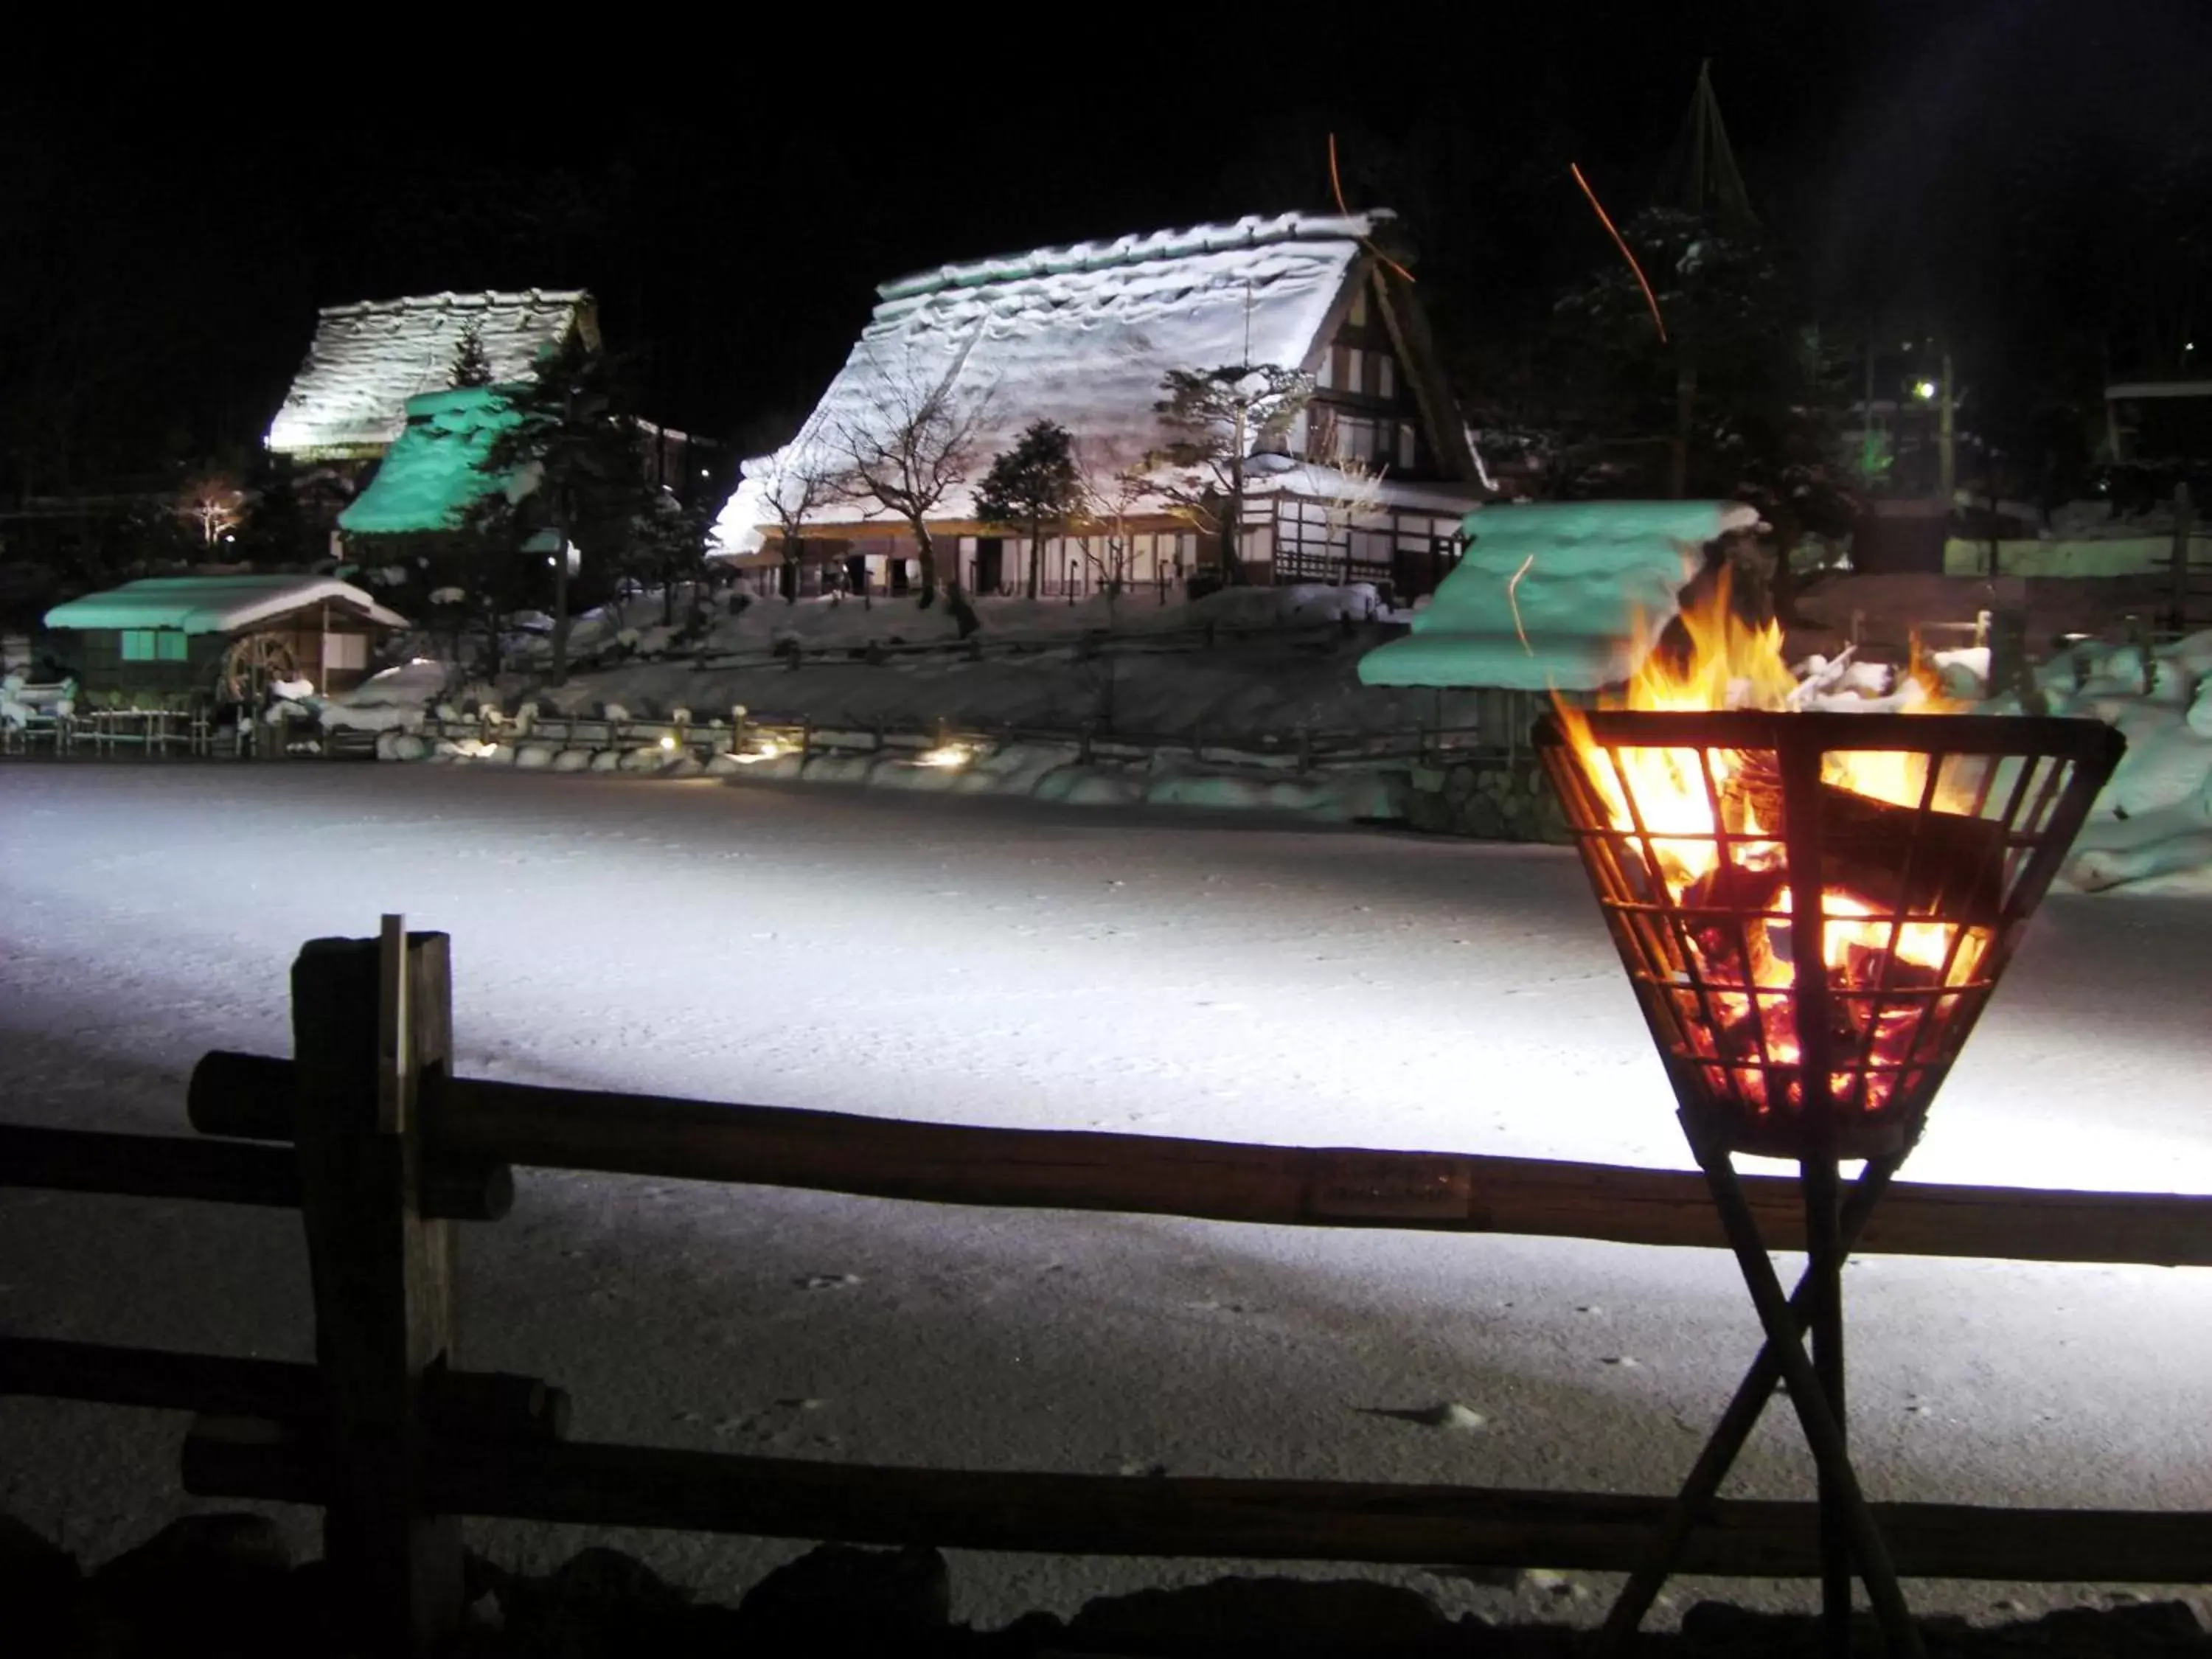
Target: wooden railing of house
[{"x": 387, "y": 1148}]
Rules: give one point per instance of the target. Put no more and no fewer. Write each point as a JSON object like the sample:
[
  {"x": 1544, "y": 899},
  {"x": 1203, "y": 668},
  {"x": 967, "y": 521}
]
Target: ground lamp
[{"x": 1814, "y": 908}]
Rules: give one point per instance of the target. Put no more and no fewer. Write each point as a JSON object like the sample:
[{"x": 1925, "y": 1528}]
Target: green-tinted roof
[
  {"x": 1589, "y": 582},
  {"x": 214, "y": 604},
  {"x": 430, "y": 475}
]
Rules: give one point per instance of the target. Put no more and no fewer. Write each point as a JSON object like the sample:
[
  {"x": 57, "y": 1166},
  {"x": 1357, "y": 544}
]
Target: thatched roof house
[
  {"x": 1083, "y": 336},
  {"x": 349, "y": 401}
]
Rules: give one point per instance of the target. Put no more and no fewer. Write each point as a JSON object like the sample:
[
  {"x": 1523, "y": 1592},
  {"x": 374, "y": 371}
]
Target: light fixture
[
  {"x": 1923, "y": 390},
  {"x": 668, "y": 743}
]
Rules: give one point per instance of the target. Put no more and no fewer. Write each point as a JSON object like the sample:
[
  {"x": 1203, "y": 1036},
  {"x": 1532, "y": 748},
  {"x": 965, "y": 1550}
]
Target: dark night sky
[{"x": 171, "y": 231}]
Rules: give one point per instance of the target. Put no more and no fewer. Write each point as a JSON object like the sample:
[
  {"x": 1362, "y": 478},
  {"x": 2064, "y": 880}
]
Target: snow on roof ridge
[
  {"x": 1254, "y": 230},
  {"x": 449, "y": 300},
  {"x": 212, "y": 605}
]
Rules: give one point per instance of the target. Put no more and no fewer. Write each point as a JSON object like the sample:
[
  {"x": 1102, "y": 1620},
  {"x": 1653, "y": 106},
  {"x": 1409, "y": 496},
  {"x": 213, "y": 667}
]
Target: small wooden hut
[{"x": 227, "y": 638}]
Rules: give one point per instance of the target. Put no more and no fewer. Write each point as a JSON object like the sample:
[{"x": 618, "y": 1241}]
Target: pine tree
[
  {"x": 1218, "y": 418},
  {"x": 471, "y": 363},
  {"x": 1034, "y": 486},
  {"x": 576, "y": 436}
]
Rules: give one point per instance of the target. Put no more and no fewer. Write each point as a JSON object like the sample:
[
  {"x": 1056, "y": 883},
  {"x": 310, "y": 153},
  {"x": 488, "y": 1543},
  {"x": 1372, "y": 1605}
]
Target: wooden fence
[{"x": 366, "y": 1131}]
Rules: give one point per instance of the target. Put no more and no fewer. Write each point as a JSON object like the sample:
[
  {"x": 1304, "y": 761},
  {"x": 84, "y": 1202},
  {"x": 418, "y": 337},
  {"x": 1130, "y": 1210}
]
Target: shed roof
[
  {"x": 1082, "y": 335},
  {"x": 432, "y": 474},
  {"x": 1561, "y": 596},
  {"x": 214, "y": 604},
  {"x": 366, "y": 360}
]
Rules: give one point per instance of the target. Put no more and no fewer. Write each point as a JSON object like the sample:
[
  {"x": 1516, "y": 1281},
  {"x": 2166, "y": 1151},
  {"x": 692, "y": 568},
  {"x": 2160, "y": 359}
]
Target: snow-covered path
[{"x": 991, "y": 962}]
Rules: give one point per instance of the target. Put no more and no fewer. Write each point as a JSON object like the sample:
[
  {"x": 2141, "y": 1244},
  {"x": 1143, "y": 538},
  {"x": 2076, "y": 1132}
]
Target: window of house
[
  {"x": 1407, "y": 446},
  {"x": 343, "y": 651},
  {"x": 153, "y": 645},
  {"x": 1386, "y": 375},
  {"x": 1325, "y": 377},
  {"x": 1355, "y": 439},
  {"x": 1355, "y": 369},
  {"x": 1358, "y": 315}
]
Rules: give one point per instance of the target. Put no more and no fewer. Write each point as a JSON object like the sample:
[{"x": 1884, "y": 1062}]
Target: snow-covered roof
[
  {"x": 1082, "y": 335},
  {"x": 1556, "y": 595},
  {"x": 213, "y": 604},
  {"x": 432, "y": 473},
  {"x": 349, "y": 397}
]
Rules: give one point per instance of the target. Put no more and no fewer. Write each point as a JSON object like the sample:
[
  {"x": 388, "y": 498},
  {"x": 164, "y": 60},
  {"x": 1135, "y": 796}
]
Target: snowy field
[{"x": 997, "y": 963}]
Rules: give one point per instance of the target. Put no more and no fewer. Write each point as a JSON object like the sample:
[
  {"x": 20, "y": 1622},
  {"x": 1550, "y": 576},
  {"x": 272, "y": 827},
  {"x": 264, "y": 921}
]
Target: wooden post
[
  {"x": 2184, "y": 516},
  {"x": 368, "y": 1018}
]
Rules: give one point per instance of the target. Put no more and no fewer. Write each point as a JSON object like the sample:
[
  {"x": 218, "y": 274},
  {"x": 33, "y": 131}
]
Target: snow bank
[
  {"x": 2151, "y": 828},
  {"x": 1057, "y": 773},
  {"x": 395, "y": 700},
  {"x": 632, "y": 630}
]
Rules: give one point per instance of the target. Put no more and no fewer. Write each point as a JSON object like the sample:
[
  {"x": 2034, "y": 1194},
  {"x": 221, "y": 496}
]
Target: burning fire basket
[{"x": 1813, "y": 908}]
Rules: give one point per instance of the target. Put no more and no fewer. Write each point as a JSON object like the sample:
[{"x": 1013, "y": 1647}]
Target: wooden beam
[
  {"x": 1217, "y": 1180},
  {"x": 1272, "y": 1520},
  {"x": 463, "y": 1404},
  {"x": 147, "y": 1166}
]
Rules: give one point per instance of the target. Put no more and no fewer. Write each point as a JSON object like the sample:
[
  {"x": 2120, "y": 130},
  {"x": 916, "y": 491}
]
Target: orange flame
[{"x": 1694, "y": 817}]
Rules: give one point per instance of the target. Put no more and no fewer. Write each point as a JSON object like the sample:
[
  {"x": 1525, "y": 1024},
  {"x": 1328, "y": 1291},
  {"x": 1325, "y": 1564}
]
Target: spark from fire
[
  {"x": 1513, "y": 599},
  {"x": 1619, "y": 241}
]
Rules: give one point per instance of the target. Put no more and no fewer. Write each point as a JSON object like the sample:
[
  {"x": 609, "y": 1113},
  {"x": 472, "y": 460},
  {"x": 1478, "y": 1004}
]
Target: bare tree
[
  {"x": 796, "y": 491},
  {"x": 920, "y": 447},
  {"x": 1108, "y": 498},
  {"x": 214, "y": 505}
]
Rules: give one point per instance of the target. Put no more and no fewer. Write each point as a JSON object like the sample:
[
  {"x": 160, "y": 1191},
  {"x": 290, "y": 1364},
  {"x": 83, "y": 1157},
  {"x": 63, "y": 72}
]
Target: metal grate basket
[{"x": 1815, "y": 908}]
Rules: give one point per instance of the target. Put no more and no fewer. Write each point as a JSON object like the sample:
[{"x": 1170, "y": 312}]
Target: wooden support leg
[
  {"x": 1822, "y": 1434},
  {"x": 1824, "y": 1275},
  {"x": 369, "y": 1017},
  {"x": 1729, "y": 1436}
]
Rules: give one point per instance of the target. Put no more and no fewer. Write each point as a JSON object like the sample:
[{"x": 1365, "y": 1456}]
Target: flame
[{"x": 1698, "y": 818}]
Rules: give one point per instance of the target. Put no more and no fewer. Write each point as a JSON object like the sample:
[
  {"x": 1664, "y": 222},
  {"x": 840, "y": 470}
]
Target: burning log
[{"x": 1897, "y": 860}]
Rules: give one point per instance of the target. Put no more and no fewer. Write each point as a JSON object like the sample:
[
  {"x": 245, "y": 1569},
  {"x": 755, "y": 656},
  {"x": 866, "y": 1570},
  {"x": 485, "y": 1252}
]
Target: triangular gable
[{"x": 349, "y": 397}]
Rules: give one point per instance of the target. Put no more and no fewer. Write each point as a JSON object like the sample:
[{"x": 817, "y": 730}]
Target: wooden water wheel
[{"x": 253, "y": 662}]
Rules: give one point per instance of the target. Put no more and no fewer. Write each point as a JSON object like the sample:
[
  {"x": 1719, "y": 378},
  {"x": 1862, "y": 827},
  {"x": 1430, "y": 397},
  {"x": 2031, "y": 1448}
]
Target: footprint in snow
[
  {"x": 828, "y": 1281},
  {"x": 1445, "y": 1414}
]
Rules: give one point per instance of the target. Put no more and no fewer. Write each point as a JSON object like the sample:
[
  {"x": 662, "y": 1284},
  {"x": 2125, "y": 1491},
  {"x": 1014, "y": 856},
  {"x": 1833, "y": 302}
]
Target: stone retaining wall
[{"x": 1488, "y": 798}]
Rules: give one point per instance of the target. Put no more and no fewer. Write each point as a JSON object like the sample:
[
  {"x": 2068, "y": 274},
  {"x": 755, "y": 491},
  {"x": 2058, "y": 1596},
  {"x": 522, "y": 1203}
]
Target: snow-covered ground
[{"x": 999, "y": 962}]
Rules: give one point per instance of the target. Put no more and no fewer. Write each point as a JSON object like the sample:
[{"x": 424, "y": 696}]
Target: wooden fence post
[
  {"x": 2184, "y": 522},
  {"x": 368, "y": 1018}
]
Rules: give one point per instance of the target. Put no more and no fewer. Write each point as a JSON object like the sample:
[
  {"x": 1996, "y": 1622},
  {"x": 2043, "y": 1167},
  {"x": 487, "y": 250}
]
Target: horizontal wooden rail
[
  {"x": 250, "y": 1095},
  {"x": 177, "y": 1166},
  {"x": 1275, "y": 1520},
  {"x": 464, "y": 1404},
  {"x": 147, "y": 1166}
]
